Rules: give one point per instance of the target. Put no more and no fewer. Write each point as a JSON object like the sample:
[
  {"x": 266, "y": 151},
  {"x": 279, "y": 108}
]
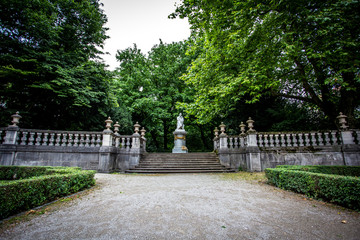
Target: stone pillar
[
  {"x": 12, "y": 130},
  {"x": 106, "y": 154},
  {"x": 180, "y": 141},
  {"x": 7, "y": 157},
  {"x": 253, "y": 156},
  {"x": 135, "y": 150},
  {"x": 107, "y": 134},
  {"x": 224, "y": 155},
  {"x": 350, "y": 150}
]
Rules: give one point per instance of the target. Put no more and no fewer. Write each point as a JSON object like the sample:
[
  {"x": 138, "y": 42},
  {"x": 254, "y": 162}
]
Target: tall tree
[
  {"x": 47, "y": 70},
  {"x": 306, "y": 51},
  {"x": 150, "y": 86}
]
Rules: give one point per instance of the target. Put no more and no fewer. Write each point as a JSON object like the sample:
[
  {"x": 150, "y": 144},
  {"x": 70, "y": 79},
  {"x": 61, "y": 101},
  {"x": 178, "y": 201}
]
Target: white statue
[{"x": 180, "y": 122}]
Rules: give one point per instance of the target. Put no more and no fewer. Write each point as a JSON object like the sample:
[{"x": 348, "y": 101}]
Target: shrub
[
  {"x": 337, "y": 170},
  {"x": 34, "y": 189},
  {"x": 335, "y": 188}
]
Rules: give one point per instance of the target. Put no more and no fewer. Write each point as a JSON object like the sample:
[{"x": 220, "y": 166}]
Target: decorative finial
[
  {"x": 342, "y": 121},
  {"x": 16, "y": 117},
  {"x": 250, "y": 123}
]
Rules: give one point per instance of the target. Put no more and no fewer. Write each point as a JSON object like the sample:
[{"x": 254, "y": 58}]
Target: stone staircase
[{"x": 179, "y": 163}]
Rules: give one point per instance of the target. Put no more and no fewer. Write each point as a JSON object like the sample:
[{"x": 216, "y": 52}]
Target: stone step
[
  {"x": 179, "y": 163},
  {"x": 179, "y": 166},
  {"x": 164, "y": 171}
]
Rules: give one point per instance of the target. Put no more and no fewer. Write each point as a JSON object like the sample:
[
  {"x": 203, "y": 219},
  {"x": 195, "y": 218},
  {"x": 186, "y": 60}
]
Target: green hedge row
[
  {"x": 337, "y": 170},
  {"x": 342, "y": 190},
  {"x": 22, "y": 172},
  {"x": 35, "y": 190}
]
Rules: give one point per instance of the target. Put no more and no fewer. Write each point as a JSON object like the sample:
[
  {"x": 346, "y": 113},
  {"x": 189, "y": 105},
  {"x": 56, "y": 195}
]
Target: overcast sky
[{"x": 142, "y": 22}]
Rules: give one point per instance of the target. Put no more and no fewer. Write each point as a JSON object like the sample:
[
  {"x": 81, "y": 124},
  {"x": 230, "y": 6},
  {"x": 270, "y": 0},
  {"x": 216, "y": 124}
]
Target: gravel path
[{"x": 188, "y": 206}]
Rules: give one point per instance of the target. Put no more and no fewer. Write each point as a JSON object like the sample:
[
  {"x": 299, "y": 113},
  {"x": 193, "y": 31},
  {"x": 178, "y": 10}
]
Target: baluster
[
  {"x": 265, "y": 140},
  {"x": 58, "y": 139},
  {"x": 93, "y": 136},
  {"x": 320, "y": 138},
  {"x": 301, "y": 139},
  {"x": 76, "y": 140},
  {"x": 122, "y": 142},
  {"x": 117, "y": 141},
  {"x": 70, "y": 140},
  {"x": 64, "y": 140},
  {"x": 236, "y": 144},
  {"x": 271, "y": 140},
  {"x": 52, "y": 139},
  {"x": 277, "y": 142},
  {"x": 289, "y": 139},
  {"x": 38, "y": 139},
  {"x": 98, "y": 140},
  {"x": 307, "y": 139},
  {"x": 283, "y": 141},
  {"x": 31, "y": 139},
  {"x": 326, "y": 139},
  {"x": 128, "y": 144},
  {"x": 312, "y": 139},
  {"x": 82, "y": 140},
  {"x": 333, "y": 138},
  {"x": 87, "y": 141},
  {"x": 24, "y": 138},
  {"x": 231, "y": 142},
  {"x": 45, "y": 139}
]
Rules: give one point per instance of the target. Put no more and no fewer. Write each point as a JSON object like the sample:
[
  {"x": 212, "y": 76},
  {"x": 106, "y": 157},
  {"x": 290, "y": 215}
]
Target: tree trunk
[
  {"x": 153, "y": 136},
  {"x": 165, "y": 134}
]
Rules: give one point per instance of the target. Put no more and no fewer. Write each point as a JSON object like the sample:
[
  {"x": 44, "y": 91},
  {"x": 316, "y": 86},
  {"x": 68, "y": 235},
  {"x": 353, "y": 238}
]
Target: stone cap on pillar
[{"x": 108, "y": 126}]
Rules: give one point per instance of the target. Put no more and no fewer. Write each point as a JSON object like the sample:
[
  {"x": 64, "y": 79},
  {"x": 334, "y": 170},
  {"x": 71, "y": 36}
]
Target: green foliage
[
  {"x": 49, "y": 64},
  {"x": 39, "y": 185},
  {"x": 306, "y": 51},
  {"x": 149, "y": 87},
  {"x": 321, "y": 182},
  {"x": 337, "y": 170}
]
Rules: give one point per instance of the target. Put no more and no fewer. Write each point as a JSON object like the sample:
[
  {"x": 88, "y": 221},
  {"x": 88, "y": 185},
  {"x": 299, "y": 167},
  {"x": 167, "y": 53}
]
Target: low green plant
[
  {"x": 328, "y": 183},
  {"x": 38, "y": 185}
]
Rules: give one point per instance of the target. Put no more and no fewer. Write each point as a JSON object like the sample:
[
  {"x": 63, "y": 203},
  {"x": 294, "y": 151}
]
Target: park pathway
[{"x": 188, "y": 206}]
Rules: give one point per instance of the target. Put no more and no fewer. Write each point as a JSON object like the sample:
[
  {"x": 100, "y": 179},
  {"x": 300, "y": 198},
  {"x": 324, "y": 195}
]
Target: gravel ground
[{"x": 188, "y": 206}]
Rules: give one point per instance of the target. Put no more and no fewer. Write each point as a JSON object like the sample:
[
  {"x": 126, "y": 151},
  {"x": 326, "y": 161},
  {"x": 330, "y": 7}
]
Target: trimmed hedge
[
  {"x": 35, "y": 189},
  {"x": 337, "y": 170},
  {"x": 335, "y": 188}
]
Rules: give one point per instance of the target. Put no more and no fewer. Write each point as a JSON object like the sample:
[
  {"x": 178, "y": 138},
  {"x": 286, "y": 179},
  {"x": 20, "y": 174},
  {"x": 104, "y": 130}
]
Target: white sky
[{"x": 142, "y": 22}]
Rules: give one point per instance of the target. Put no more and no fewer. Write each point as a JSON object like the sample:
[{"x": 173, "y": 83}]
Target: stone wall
[
  {"x": 254, "y": 151},
  {"x": 105, "y": 151}
]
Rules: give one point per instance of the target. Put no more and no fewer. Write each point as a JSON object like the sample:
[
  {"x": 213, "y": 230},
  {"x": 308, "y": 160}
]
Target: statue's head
[{"x": 180, "y": 115}]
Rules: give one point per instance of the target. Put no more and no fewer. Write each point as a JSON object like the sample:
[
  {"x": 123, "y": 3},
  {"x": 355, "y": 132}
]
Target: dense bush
[
  {"x": 34, "y": 190},
  {"x": 337, "y": 170},
  {"x": 335, "y": 188}
]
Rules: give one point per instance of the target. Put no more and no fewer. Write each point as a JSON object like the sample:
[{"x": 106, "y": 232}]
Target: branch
[{"x": 305, "y": 99}]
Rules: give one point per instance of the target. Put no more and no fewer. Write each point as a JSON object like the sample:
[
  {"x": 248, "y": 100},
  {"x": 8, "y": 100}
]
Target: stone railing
[
  {"x": 236, "y": 142},
  {"x": 298, "y": 139},
  {"x": 257, "y": 150},
  {"x": 59, "y": 138},
  {"x": 104, "y": 151}
]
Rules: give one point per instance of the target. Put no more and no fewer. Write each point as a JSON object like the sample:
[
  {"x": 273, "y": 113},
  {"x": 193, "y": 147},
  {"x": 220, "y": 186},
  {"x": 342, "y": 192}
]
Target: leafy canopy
[
  {"x": 306, "y": 51},
  {"x": 49, "y": 68}
]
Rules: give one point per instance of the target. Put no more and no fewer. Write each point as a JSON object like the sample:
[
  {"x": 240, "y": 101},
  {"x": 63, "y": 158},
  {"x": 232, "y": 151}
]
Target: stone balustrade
[
  {"x": 298, "y": 139},
  {"x": 59, "y": 138},
  {"x": 255, "y": 151},
  {"x": 104, "y": 151},
  {"x": 236, "y": 142}
]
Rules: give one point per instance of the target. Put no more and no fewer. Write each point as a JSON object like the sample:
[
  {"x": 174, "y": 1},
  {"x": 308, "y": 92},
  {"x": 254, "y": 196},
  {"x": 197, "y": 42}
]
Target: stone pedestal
[{"x": 180, "y": 141}]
